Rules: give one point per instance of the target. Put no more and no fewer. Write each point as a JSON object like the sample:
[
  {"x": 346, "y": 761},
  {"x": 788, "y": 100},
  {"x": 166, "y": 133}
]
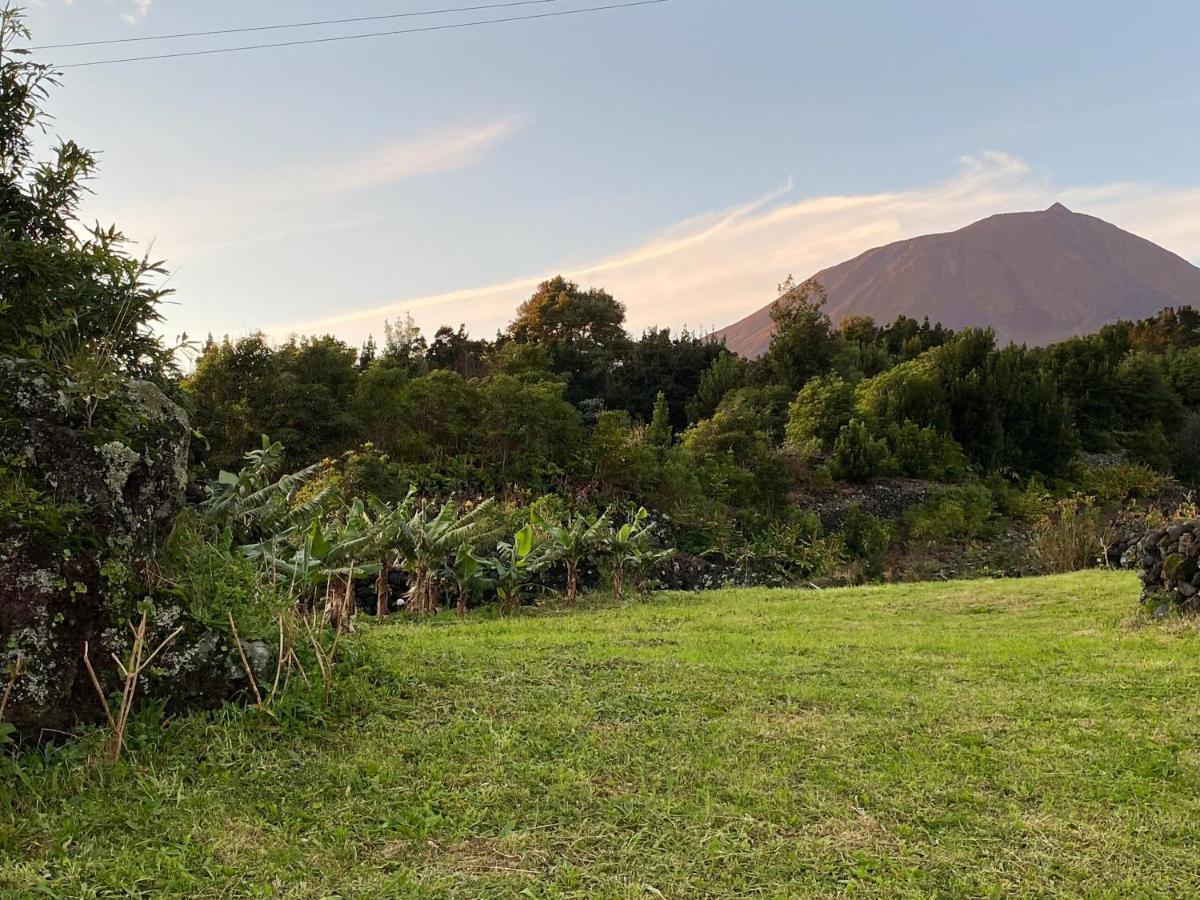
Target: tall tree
[
  {"x": 804, "y": 343},
  {"x": 584, "y": 331}
]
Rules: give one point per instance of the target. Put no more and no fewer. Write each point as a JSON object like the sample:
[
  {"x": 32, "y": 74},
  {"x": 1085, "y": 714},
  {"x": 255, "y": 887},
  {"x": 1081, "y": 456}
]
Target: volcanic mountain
[{"x": 1036, "y": 277}]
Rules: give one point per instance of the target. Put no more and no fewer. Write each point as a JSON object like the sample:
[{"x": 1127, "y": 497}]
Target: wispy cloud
[
  {"x": 716, "y": 268},
  {"x": 206, "y": 218},
  {"x": 139, "y": 10},
  {"x": 443, "y": 151},
  {"x": 134, "y": 10}
]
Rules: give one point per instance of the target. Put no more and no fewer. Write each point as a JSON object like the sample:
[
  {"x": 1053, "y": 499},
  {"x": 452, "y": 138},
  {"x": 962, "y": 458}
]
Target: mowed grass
[{"x": 966, "y": 739}]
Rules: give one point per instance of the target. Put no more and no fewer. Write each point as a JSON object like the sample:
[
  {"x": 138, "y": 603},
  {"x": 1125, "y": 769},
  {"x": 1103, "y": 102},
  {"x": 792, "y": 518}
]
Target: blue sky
[{"x": 687, "y": 155}]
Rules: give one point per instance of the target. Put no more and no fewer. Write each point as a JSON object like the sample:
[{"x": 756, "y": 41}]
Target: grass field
[{"x": 966, "y": 739}]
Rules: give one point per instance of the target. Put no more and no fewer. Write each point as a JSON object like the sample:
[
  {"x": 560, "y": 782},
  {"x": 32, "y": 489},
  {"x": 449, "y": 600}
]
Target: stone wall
[{"x": 1167, "y": 560}]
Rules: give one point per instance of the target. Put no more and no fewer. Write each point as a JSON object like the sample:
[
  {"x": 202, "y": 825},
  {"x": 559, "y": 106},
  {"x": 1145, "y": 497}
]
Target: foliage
[
  {"x": 213, "y": 580},
  {"x": 952, "y": 513},
  {"x": 926, "y": 453},
  {"x": 822, "y": 408},
  {"x": 1071, "y": 537},
  {"x": 631, "y": 552},
  {"x": 726, "y": 373},
  {"x": 573, "y": 542},
  {"x": 425, "y": 541},
  {"x": 514, "y": 565},
  {"x": 803, "y": 344},
  {"x": 867, "y": 538},
  {"x": 70, "y": 296},
  {"x": 857, "y": 454},
  {"x": 787, "y": 552},
  {"x": 1123, "y": 481}
]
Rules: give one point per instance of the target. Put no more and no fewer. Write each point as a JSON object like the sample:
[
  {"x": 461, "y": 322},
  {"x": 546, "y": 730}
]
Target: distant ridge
[{"x": 1036, "y": 277}]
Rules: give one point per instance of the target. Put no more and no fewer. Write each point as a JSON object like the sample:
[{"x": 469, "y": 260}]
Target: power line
[
  {"x": 222, "y": 31},
  {"x": 355, "y": 37}
]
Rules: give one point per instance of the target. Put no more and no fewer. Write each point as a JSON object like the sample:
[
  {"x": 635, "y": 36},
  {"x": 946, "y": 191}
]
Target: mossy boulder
[{"x": 86, "y": 497}]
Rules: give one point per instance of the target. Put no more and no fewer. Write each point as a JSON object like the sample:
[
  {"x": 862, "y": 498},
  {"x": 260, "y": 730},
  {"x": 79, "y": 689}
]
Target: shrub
[
  {"x": 1071, "y": 537},
  {"x": 1124, "y": 481},
  {"x": 926, "y": 453},
  {"x": 867, "y": 538},
  {"x": 214, "y": 580},
  {"x": 958, "y": 512},
  {"x": 857, "y": 455},
  {"x": 1015, "y": 501},
  {"x": 787, "y": 551},
  {"x": 822, "y": 408}
]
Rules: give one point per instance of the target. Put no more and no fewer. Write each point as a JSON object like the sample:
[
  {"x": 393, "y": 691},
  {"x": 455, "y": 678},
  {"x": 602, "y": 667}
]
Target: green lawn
[{"x": 965, "y": 739}]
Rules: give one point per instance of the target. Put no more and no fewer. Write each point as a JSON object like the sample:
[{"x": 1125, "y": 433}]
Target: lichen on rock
[{"x": 93, "y": 502}]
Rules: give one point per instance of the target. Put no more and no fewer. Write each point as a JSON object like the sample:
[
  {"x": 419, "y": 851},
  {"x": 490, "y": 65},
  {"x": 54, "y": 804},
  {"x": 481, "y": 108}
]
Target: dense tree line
[{"x": 565, "y": 401}]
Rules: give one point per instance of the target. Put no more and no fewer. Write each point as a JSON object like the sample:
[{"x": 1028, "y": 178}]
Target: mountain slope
[{"x": 1036, "y": 277}]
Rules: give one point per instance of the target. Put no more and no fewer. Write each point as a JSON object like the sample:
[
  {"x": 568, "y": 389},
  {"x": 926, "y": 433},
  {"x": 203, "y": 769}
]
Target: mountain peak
[{"x": 1034, "y": 277}]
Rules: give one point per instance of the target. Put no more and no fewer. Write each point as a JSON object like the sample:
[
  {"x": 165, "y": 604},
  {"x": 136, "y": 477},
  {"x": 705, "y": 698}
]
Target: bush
[
  {"x": 1071, "y": 537},
  {"x": 1016, "y": 501},
  {"x": 857, "y": 455},
  {"x": 822, "y": 408},
  {"x": 867, "y": 538},
  {"x": 213, "y": 580},
  {"x": 926, "y": 453},
  {"x": 959, "y": 512},
  {"x": 1124, "y": 481},
  {"x": 787, "y": 552}
]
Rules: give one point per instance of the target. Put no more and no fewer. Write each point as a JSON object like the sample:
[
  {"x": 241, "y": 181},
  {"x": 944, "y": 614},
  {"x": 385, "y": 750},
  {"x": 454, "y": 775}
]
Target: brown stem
[
  {"x": 12, "y": 679},
  {"x": 572, "y": 581},
  {"x": 87, "y": 662},
  {"x": 383, "y": 590},
  {"x": 245, "y": 662}
]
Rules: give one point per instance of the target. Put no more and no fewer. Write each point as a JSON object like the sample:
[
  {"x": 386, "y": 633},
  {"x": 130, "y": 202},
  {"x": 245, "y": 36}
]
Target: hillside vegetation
[{"x": 983, "y": 739}]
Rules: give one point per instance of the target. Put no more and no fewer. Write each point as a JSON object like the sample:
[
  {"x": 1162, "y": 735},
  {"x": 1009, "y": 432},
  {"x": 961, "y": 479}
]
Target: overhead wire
[
  {"x": 355, "y": 37},
  {"x": 289, "y": 25}
]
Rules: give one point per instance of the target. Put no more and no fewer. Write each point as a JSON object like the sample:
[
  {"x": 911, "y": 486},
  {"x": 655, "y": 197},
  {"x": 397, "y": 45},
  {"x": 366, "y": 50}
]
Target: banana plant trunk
[
  {"x": 572, "y": 580},
  {"x": 383, "y": 590},
  {"x": 619, "y": 582},
  {"x": 341, "y": 603}
]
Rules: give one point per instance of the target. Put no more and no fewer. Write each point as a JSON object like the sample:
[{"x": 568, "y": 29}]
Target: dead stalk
[
  {"x": 12, "y": 679},
  {"x": 99, "y": 690},
  {"x": 258, "y": 701},
  {"x": 132, "y": 673},
  {"x": 278, "y": 662}
]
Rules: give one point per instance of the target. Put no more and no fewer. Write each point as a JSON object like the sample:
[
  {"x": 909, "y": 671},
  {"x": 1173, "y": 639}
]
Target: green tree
[
  {"x": 584, "y": 331},
  {"x": 819, "y": 411},
  {"x": 804, "y": 343},
  {"x": 659, "y": 433},
  {"x": 70, "y": 296},
  {"x": 726, "y": 373}
]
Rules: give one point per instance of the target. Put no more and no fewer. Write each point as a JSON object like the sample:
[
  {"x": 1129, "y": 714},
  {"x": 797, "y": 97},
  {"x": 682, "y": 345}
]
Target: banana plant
[
  {"x": 323, "y": 557},
  {"x": 254, "y": 502},
  {"x": 630, "y": 549},
  {"x": 466, "y": 574},
  {"x": 513, "y": 565},
  {"x": 390, "y": 526},
  {"x": 573, "y": 542},
  {"x": 427, "y": 541}
]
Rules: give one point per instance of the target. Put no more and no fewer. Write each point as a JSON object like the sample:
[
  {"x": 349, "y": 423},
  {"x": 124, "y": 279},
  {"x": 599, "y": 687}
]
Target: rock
[
  {"x": 77, "y": 558},
  {"x": 1168, "y": 561}
]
